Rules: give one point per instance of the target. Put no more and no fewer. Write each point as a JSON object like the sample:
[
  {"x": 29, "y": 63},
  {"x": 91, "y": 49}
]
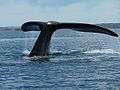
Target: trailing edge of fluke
[{"x": 41, "y": 47}]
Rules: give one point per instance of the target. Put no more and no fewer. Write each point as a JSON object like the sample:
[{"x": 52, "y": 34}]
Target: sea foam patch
[{"x": 107, "y": 51}]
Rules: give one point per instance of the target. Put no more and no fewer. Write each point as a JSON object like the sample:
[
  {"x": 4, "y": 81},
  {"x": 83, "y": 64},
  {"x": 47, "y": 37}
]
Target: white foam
[
  {"x": 55, "y": 51},
  {"x": 26, "y": 52},
  {"x": 107, "y": 51},
  {"x": 26, "y": 56}
]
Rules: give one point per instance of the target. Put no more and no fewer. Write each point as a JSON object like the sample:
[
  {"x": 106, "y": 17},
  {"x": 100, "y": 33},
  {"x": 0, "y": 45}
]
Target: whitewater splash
[
  {"x": 34, "y": 58},
  {"x": 103, "y": 51},
  {"x": 100, "y": 51},
  {"x": 26, "y": 52}
]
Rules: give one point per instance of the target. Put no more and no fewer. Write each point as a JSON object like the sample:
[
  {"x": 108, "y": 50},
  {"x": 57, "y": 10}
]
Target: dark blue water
[{"x": 77, "y": 61}]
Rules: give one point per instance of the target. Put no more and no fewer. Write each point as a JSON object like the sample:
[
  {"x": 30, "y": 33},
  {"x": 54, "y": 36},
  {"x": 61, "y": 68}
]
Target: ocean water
[{"x": 77, "y": 61}]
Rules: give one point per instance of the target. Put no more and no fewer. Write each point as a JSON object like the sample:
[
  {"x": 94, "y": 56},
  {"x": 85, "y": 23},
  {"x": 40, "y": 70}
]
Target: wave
[
  {"x": 33, "y": 38},
  {"x": 17, "y": 39}
]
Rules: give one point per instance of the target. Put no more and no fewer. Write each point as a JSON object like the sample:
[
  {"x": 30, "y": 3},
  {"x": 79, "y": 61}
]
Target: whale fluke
[
  {"x": 41, "y": 47},
  {"x": 33, "y": 26},
  {"x": 86, "y": 28}
]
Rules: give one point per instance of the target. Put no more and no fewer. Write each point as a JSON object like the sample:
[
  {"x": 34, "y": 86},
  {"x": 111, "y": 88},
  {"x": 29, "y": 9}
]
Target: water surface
[{"x": 77, "y": 61}]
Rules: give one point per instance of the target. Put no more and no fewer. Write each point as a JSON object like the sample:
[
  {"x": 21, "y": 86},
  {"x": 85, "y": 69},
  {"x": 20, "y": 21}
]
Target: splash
[
  {"x": 34, "y": 58},
  {"x": 63, "y": 51},
  {"x": 102, "y": 51},
  {"x": 26, "y": 52}
]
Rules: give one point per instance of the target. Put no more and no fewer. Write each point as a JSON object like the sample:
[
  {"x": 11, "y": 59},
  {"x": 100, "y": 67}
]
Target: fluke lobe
[{"x": 41, "y": 46}]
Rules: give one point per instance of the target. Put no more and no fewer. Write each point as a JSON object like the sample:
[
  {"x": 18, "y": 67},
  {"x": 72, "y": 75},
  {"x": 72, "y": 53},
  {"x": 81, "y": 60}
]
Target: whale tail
[
  {"x": 82, "y": 27},
  {"x": 41, "y": 47}
]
